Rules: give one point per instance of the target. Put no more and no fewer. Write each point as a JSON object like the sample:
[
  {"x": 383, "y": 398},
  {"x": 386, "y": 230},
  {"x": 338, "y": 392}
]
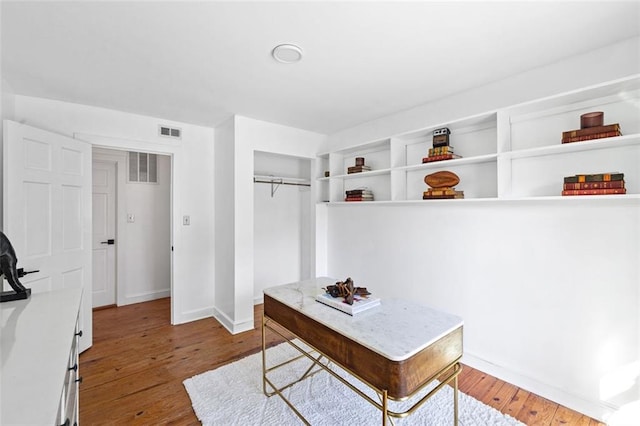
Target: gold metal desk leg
[
  {"x": 264, "y": 360},
  {"x": 455, "y": 401},
  {"x": 385, "y": 402}
]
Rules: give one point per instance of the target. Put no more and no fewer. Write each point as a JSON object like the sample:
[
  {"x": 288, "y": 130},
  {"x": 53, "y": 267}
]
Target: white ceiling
[{"x": 201, "y": 62}]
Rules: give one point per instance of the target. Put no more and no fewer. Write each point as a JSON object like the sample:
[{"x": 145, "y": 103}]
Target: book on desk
[{"x": 360, "y": 303}]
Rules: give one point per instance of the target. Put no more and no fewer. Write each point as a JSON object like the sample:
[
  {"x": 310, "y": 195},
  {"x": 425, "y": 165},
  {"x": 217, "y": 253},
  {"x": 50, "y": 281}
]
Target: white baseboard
[
  {"x": 144, "y": 297},
  {"x": 231, "y": 326},
  {"x": 195, "y": 315},
  {"x": 598, "y": 410}
]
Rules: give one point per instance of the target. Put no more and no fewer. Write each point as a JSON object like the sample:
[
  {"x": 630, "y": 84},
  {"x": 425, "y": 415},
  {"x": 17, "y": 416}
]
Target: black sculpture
[{"x": 8, "y": 262}]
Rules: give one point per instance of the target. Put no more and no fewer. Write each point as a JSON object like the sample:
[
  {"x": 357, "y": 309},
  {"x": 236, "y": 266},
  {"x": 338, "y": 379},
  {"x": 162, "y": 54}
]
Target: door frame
[{"x": 123, "y": 146}]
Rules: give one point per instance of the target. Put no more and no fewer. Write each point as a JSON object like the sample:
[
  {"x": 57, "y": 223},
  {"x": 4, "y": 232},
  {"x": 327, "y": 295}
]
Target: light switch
[
  {"x": 186, "y": 220},
  {"x": 131, "y": 218}
]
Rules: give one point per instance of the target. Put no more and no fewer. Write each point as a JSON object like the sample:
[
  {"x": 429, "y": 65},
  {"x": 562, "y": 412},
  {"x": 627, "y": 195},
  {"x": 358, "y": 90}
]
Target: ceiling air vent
[{"x": 170, "y": 132}]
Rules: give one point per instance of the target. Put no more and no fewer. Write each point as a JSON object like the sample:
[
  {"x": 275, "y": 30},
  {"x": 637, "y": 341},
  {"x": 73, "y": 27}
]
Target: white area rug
[{"x": 232, "y": 395}]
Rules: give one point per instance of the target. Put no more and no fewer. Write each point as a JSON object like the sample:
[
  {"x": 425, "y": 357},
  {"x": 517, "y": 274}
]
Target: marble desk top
[{"x": 397, "y": 329}]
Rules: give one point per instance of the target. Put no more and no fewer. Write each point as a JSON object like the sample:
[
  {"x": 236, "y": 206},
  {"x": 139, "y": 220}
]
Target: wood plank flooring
[{"x": 133, "y": 374}]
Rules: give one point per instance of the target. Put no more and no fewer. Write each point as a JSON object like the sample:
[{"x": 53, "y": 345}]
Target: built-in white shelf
[{"x": 511, "y": 154}]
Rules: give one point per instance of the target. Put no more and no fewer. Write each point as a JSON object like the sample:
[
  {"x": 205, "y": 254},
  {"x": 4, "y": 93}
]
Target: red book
[
  {"x": 591, "y": 131},
  {"x": 591, "y": 137},
  {"x": 594, "y": 191},
  {"x": 358, "y": 198},
  {"x": 594, "y": 185},
  {"x": 440, "y": 158}
]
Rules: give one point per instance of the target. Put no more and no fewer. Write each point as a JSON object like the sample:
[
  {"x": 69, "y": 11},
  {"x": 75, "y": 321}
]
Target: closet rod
[{"x": 277, "y": 182}]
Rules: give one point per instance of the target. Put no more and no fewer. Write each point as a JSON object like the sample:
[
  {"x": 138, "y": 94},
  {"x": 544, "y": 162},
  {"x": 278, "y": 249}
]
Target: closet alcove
[{"x": 281, "y": 220}]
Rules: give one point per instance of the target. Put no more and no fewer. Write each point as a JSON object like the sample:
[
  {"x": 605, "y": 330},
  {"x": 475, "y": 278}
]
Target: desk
[{"x": 396, "y": 349}]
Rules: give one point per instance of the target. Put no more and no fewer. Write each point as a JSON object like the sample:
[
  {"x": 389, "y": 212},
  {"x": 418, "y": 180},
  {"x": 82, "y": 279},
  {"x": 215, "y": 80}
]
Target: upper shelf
[
  {"x": 566, "y": 148},
  {"x": 450, "y": 163},
  {"x": 362, "y": 174}
]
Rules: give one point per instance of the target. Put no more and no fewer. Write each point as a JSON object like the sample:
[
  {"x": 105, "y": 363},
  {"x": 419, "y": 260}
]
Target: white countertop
[
  {"x": 36, "y": 338},
  {"x": 397, "y": 329}
]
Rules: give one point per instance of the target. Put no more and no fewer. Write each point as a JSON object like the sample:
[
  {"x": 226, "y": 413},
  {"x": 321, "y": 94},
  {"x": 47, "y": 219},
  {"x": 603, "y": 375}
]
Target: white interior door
[
  {"x": 47, "y": 211},
  {"x": 104, "y": 232}
]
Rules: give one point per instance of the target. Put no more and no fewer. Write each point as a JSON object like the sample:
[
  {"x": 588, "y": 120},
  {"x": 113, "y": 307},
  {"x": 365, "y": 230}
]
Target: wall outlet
[
  {"x": 186, "y": 220},
  {"x": 131, "y": 218}
]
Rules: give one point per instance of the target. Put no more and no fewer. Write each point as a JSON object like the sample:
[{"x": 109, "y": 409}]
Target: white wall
[
  {"x": 7, "y": 106},
  {"x": 192, "y": 173},
  {"x": 609, "y": 63},
  {"x": 248, "y": 135},
  {"x": 549, "y": 292},
  {"x": 143, "y": 248},
  {"x": 225, "y": 222},
  {"x": 281, "y": 235},
  {"x": 147, "y": 241}
]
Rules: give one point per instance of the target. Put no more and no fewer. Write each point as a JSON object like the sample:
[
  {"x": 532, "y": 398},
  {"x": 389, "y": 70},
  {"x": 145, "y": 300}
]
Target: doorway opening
[{"x": 131, "y": 227}]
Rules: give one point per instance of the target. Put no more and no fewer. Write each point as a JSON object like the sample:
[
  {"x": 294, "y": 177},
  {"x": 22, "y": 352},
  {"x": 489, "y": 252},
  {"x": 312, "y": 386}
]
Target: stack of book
[
  {"x": 360, "y": 303},
  {"x": 359, "y": 195},
  {"x": 442, "y": 193},
  {"x": 595, "y": 184},
  {"x": 590, "y": 133},
  {"x": 441, "y": 149},
  {"x": 359, "y": 167}
]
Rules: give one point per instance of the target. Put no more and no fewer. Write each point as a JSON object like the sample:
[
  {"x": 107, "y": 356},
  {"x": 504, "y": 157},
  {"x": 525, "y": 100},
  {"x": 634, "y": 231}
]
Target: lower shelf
[{"x": 554, "y": 198}]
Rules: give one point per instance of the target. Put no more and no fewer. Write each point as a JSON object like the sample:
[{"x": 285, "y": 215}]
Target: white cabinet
[
  {"x": 39, "y": 373},
  {"x": 512, "y": 153}
]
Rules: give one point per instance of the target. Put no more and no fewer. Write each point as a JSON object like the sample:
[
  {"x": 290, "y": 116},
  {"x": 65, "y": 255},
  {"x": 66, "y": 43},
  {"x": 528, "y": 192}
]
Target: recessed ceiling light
[{"x": 287, "y": 53}]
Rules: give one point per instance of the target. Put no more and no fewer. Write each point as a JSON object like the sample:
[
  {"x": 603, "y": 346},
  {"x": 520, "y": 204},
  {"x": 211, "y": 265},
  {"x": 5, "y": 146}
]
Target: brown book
[
  {"x": 441, "y": 150},
  {"x": 358, "y": 192},
  {"x": 440, "y": 158},
  {"x": 359, "y": 199},
  {"x": 592, "y": 137},
  {"x": 440, "y": 191},
  {"x": 594, "y": 185},
  {"x": 591, "y": 131},
  {"x": 358, "y": 169},
  {"x": 457, "y": 194},
  {"x": 594, "y": 191},
  {"x": 443, "y": 197},
  {"x": 598, "y": 177}
]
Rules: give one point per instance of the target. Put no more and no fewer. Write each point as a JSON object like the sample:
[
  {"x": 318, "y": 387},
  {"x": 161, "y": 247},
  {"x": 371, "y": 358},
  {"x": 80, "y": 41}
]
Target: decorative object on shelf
[
  {"x": 594, "y": 184},
  {"x": 441, "y": 137},
  {"x": 592, "y": 119},
  {"x": 441, "y": 149},
  {"x": 591, "y": 127},
  {"x": 348, "y": 298},
  {"x": 361, "y": 194},
  {"x": 442, "y": 179},
  {"x": 442, "y": 186},
  {"x": 8, "y": 262},
  {"x": 359, "y": 167}
]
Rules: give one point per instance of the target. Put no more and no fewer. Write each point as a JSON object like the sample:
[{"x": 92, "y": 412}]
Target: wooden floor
[{"x": 133, "y": 373}]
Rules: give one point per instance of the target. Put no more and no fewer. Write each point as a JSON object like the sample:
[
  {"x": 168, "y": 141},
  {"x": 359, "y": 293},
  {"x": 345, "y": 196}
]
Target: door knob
[{"x": 110, "y": 242}]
